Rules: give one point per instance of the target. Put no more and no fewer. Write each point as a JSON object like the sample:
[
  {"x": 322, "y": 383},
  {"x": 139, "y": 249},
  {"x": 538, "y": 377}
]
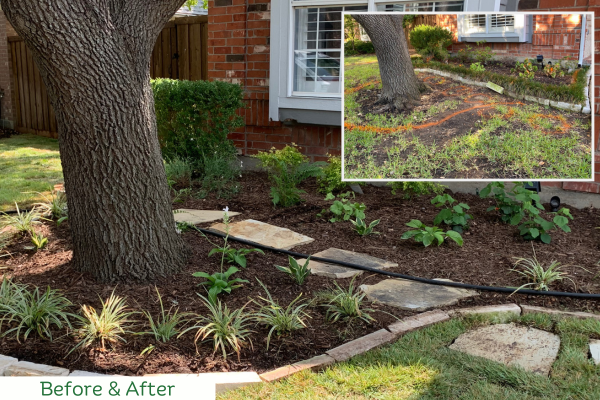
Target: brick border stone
[
  {"x": 510, "y": 308},
  {"x": 542, "y": 310},
  {"x": 418, "y": 321}
]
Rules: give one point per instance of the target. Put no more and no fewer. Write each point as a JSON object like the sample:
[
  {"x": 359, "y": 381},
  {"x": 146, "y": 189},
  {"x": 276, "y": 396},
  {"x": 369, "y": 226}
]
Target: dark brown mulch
[
  {"x": 485, "y": 259},
  {"x": 504, "y": 67}
]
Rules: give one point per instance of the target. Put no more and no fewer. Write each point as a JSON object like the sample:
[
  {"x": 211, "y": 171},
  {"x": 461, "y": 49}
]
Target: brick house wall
[
  {"x": 554, "y": 36},
  {"x": 6, "y": 74},
  {"x": 238, "y": 52}
]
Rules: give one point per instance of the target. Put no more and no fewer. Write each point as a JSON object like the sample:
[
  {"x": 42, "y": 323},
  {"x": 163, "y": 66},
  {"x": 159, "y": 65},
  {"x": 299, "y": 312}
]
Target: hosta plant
[
  {"x": 456, "y": 216},
  {"x": 427, "y": 235},
  {"x": 232, "y": 255},
  {"x": 361, "y": 227},
  {"x": 220, "y": 282},
  {"x": 298, "y": 272},
  {"x": 38, "y": 240}
]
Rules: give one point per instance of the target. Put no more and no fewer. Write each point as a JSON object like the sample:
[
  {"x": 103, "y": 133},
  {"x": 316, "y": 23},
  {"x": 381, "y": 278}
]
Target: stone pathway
[
  {"x": 414, "y": 296},
  {"x": 336, "y": 271},
  {"x": 532, "y": 349},
  {"x": 265, "y": 234},
  {"x": 196, "y": 217}
]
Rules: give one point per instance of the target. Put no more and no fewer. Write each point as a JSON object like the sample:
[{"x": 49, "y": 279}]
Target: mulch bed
[
  {"x": 504, "y": 67},
  {"x": 485, "y": 259}
]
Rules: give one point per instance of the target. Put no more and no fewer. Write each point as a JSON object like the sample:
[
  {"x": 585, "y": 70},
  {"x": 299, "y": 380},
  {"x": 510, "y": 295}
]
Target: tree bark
[
  {"x": 93, "y": 56},
  {"x": 401, "y": 88}
]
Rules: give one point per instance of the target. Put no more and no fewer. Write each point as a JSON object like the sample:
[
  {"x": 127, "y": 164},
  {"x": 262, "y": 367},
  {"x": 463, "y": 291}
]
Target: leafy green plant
[
  {"x": 331, "y": 179},
  {"x": 456, "y": 217},
  {"x": 179, "y": 172},
  {"x": 298, "y": 272},
  {"x": 482, "y": 54},
  {"x": 465, "y": 54},
  {"x": 522, "y": 207},
  {"x": 237, "y": 256},
  {"x": 181, "y": 195},
  {"x": 343, "y": 209},
  {"x": 31, "y": 311},
  {"x": 219, "y": 282},
  {"x": 553, "y": 70},
  {"x": 113, "y": 321},
  {"x": 38, "y": 240},
  {"x": 526, "y": 69},
  {"x": 539, "y": 277},
  {"x": 427, "y": 235},
  {"x": 165, "y": 326},
  {"x": 362, "y": 228},
  {"x": 22, "y": 221},
  {"x": 287, "y": 168},
  {"x": 431, "y": 41},
  {"x": 345, "y": 304},
  {"x": 420, "y": 188},
  {"x": 281, "y": 320},
  {"x": 194, "y": 118},
  {"x": 221, "y": 176},
  {"x": 224, "y": 327},
  {"x": 477, "y": 67}
]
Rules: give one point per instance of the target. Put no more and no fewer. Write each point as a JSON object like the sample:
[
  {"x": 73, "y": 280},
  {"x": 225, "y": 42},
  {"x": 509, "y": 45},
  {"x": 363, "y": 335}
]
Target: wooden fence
[{"x": 180, "y": 52}]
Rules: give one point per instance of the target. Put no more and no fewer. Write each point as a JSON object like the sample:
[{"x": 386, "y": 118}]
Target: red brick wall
[
  {"x": 568, "y": 6},
  {"x": 238, "y": 52},
  {"x": 5, "y": 71}
]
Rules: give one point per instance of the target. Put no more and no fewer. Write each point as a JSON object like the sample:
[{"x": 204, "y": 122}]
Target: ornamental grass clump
[
  {"x": 345, "y": 304},
  {"x": 540, "y": 277},
  {"x": 113, "y": 321},
  {"x": 281, "y": 320},
  {"x": 225, "y": 328},
  {"x": 165, "y": 326}
]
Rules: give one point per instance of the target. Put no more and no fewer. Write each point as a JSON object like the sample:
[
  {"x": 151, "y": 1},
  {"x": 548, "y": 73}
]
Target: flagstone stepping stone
[
  {"x": 337, "y": 271},
  {"x": 413, "y": 295},
  {"x": 196, "y": 217},
  {"x": 265, "y": 234},
  {"x": 532, "y": 349},
  {"x": 595, "y": 350}
]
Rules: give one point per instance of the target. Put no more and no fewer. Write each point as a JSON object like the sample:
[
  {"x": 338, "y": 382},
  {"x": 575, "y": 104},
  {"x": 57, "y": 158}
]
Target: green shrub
[
  {"x": 179, "y": 172},
  {"x": 221, "y": 174},
  {"x": 354, "y": 47},
  {"x": 411, "y": 189},
  {"x": 331, "y": 179},
  {"x": 195, "y": 117},
  {"x": 287, "y": 168},
  {"x": 483, "y": 54},
  {"x": 477, "y": 67},
  {"x": 431, "y": 41}
]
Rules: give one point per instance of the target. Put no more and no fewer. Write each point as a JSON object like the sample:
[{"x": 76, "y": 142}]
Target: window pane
[
  {"x": 318, "y": 43},
  {"x": 449, "y": 6},
  {"x": 502, "y": 23},
  {"x": 475, "y": 22}
]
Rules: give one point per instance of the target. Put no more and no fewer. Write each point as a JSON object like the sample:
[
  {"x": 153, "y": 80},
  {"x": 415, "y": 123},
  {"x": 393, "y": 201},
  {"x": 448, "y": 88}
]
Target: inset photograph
[{"x": 468, "y": 96}]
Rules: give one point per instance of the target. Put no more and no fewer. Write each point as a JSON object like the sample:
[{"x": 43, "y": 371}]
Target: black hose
[{"x": 402, "y": 276}]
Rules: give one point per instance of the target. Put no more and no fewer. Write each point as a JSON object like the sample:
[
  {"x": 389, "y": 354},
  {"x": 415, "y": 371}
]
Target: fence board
[{"x": 180, "y": 52}]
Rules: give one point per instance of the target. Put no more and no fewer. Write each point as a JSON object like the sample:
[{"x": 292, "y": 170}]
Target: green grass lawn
[
  {"x": 421, "y": 366},
  {"x": 514, "y": 142},
  {"x": 29, "y": 165}
]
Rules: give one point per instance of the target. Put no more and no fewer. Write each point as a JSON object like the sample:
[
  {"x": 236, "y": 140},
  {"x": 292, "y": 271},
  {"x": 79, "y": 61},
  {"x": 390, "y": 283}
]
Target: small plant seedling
[
  {"x": 477, "y": 67},
  {"x": 456, "y": 217},
  {"x": 427, "y": 235},
  {"x": 298, "y": 272},
  {"x": 363, "y": 229},
  {"x": 237, "y": 256},
  {"x": 343, "y": 209},
  {"x": 219, "y": 282},
  {"x": 38, "y": 240}
]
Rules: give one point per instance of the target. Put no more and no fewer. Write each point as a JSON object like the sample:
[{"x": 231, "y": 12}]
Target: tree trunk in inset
[
  {"x": 94, "y": 59},
  {"x": 401, "y": 88}
]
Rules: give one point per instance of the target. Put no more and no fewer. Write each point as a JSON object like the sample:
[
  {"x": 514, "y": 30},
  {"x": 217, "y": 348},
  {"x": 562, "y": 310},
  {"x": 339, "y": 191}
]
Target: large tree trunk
[
  {"x": 93, "y": 56},
  {"x": 401, "y": 88}
]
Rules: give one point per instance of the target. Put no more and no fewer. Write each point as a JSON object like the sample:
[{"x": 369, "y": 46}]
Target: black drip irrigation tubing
[{"x": 402, "y": 276}]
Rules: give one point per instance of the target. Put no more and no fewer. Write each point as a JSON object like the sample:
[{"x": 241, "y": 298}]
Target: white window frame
[{"x": 518, "y": 33}]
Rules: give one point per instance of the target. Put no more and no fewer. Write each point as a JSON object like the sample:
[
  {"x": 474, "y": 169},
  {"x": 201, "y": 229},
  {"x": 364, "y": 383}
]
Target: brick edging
[{"x": 546, "y": 102}]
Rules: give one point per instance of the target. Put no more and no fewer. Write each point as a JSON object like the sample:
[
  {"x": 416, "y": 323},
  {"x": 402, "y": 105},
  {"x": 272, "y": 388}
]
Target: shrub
[
  {"x": 287, "y": 168},
  {"x": 281, "y": 320},
  {"x": 483, "y": 54},
  {"x": 179, "y": 172},
  {"x": 354, "y": 47},
  {"x": 226, "y": 328},
  {"x": 465, "y": 54},
  {"x": 477, "y": 67},
  {"x": 411, "y": 189},
  {"x": 220, "y": 176},
  {"x": 35, "y": 312},
  {"x": 427, "y": 235},
  {"x": 431, "y": 41},
  {"x": 331, "y": 179},
  {"x": 106, "y": 327},
  {"x": 195, "y": 117}
]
